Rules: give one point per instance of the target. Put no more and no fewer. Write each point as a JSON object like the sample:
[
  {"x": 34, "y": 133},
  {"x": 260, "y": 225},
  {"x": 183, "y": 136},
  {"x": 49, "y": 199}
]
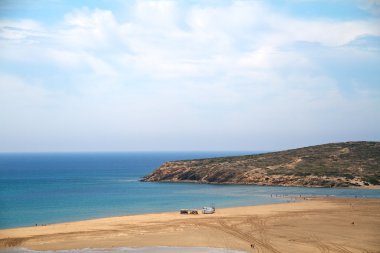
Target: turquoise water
[{"x": 52, "y": 188}]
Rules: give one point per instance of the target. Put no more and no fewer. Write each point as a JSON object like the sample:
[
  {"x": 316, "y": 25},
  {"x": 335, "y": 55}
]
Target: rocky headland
[{"x": 348, "y": 164}]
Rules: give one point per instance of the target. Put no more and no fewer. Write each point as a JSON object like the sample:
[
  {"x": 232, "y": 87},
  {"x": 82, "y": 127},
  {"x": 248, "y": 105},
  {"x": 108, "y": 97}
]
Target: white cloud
[
  {"x": 23, "y": 31},
  {"x": 170, "y": 70},
  {"x": 372, "y": 6}
]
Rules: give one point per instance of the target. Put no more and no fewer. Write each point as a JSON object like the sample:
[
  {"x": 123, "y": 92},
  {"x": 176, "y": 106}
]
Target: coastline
[
  {"x": 305, "y": 226},
  {"x": 369, "y": 187}
]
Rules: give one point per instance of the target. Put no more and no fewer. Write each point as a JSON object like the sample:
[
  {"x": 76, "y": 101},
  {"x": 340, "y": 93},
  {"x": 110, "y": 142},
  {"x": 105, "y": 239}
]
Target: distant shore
[
  {"x": 370, "y": 187},
  {"x": 334, "y": 224},
  {"x": 344, "y": 164}
]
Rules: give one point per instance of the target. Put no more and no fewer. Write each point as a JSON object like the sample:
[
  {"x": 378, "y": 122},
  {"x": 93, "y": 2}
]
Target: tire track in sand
[
  {"x": 261, "y": 245},
  {"x": 328, "y": 247}
]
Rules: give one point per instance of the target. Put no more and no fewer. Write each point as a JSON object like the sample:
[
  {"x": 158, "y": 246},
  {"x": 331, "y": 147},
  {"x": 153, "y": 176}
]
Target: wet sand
[{"x": 315, "y": 225}]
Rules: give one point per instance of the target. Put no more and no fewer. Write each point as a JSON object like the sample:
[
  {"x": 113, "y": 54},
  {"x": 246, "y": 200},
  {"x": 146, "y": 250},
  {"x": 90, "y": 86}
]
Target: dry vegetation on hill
[{"x": 355, "y": 164}]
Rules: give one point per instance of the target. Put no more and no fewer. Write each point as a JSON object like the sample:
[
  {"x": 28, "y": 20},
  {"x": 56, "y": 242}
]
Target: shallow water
[{"x": 51, "y": 188}]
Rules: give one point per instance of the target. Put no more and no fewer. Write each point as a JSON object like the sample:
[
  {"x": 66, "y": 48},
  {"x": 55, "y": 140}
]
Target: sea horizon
[{"x": 138, "y": 151}]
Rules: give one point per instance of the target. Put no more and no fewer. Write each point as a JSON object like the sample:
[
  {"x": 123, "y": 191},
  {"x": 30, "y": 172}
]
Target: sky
[{"x": 187, "y": 75}]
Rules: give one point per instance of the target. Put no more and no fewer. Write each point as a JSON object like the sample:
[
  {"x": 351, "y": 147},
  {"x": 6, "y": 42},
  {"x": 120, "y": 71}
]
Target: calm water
[{"x": 51, "y": 188}]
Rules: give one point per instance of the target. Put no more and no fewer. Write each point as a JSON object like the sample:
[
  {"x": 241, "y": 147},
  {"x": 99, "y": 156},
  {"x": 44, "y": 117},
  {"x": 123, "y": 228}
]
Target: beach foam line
[{"x": 159, "y": 249}]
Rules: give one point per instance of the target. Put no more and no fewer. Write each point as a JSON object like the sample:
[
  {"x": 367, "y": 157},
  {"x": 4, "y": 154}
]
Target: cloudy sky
[{"x": 187, "y": 75}]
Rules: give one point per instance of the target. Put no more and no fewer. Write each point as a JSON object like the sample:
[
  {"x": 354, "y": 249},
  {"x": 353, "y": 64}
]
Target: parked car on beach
[{"x": 208, "y": 210}]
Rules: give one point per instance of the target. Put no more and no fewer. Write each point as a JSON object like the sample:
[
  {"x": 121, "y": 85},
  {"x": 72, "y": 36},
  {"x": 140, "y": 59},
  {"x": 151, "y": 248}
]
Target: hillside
[{"x": 348, "y": 164}]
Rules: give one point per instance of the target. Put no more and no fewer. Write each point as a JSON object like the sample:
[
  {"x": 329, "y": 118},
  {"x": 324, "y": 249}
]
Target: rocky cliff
[{"x": 346, "y": 164}]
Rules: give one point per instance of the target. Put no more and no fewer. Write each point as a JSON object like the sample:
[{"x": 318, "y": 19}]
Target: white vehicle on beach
[{"x": 208, "y": 210}]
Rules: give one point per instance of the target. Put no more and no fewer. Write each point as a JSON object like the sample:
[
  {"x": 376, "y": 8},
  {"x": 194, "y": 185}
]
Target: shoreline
[
  {"x": 369, "y": 187},
  {"x": 286, "y": 197},
  {"x": 289, "y": 197},
  {"x": 349, "y": 223}
]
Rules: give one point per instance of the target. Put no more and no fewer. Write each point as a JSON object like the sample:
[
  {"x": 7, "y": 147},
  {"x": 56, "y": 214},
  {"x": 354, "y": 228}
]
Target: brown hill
[{"x": 329, "y": 165}]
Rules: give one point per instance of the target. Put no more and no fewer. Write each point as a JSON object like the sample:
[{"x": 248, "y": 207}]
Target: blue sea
[{"x": 45, "y": 188}]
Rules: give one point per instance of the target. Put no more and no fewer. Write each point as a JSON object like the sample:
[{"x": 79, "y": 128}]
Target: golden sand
[{"x": 316, "y": 225}]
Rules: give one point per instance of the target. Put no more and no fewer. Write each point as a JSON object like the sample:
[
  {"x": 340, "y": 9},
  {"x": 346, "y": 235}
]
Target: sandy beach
[{"x": 314, "y": 225}]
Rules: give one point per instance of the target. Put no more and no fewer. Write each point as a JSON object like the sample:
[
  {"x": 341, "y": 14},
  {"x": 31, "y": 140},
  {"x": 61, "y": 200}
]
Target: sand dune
[{"x": 316, "y": 225}]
